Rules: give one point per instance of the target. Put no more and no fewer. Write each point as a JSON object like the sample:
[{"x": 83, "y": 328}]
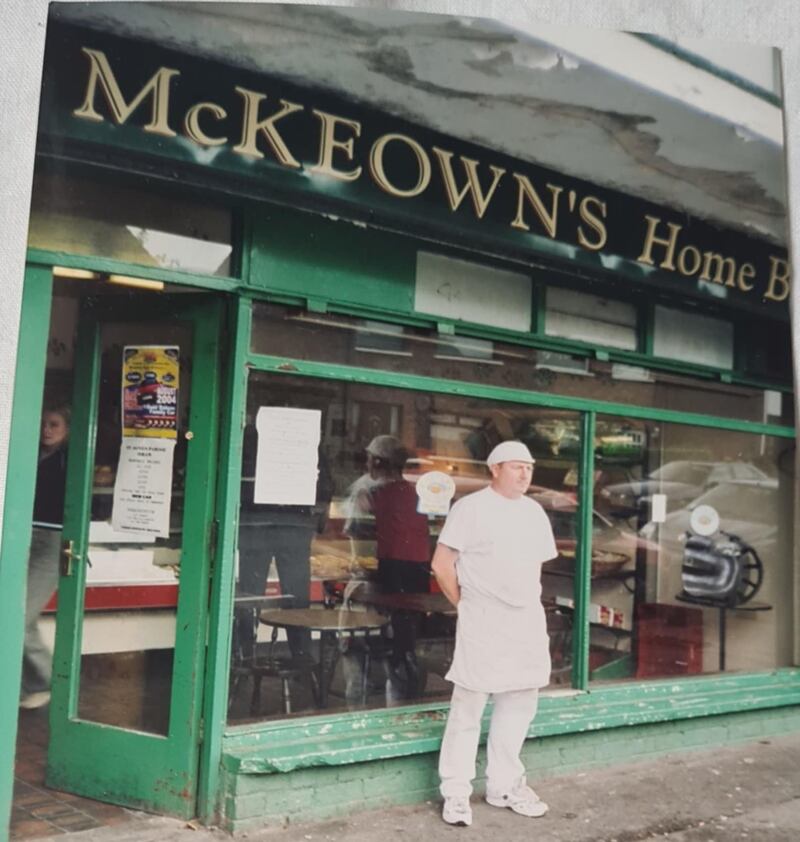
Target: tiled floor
[{"x": 38, "y": 811}]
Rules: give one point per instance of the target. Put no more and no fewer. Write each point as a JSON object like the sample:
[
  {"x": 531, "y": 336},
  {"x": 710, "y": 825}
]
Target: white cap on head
[{"x": 510, "y": 451}]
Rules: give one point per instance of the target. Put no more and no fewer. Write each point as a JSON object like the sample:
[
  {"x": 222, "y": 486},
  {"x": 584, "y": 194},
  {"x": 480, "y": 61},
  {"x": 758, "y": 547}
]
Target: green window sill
[{"x": 334, "y": 740}]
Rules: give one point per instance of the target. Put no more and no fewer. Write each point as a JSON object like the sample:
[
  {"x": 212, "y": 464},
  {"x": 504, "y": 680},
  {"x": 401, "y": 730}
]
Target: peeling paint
[{"x": 472, "y": 78}]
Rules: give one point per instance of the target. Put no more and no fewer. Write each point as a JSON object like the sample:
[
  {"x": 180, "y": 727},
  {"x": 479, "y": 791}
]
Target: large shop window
[
  {"x": 344, "y": 490},
  {"x": 297, "y": 334},
  {"x": 692, "y": 565},
  {"x": 80, "y": 216}
]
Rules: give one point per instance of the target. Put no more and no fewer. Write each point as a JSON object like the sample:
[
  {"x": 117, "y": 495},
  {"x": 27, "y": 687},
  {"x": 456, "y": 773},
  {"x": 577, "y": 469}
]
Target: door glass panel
[
  {"x": 128, "y": 629},
  {"x": 335, "y": 607}
]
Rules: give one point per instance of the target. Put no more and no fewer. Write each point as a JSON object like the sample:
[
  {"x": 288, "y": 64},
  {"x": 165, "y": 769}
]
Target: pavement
[{"x": 750, "y": 791}]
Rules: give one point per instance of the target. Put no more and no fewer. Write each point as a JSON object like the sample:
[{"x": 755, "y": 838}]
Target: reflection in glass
[
  {"x": 76, "y": 216},
  {"x": 128, "y": 638},
  {"x": 346, "y": 614},
  {"x": 296, "y": 334},
  {"x": 708, "y": 513}
]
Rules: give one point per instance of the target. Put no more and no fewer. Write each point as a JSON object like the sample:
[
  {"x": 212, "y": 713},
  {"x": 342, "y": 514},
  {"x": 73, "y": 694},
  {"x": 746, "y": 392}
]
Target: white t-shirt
[
  {"x": 501, "y": 637},
  {"x": 501, "y": 545}
]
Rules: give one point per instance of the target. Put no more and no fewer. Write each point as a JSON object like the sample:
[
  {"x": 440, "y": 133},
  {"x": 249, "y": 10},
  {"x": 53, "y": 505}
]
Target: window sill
[{"x": 333, "y": 740}]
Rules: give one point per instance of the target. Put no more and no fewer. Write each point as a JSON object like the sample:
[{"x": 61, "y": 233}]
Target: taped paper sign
[
  {"x": 287, "y": 456},
  {"x": 143, "y": 487}
]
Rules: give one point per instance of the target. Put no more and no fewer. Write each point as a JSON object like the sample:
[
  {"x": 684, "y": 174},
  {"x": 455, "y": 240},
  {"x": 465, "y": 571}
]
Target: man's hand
[{"x": 443, "y": 566}]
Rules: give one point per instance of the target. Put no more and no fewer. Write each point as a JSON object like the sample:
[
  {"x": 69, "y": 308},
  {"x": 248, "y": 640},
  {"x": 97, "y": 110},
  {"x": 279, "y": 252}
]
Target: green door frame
[
  {"x": 20, "y": 488},
  {"x": 18, "y": 509},
  {"x": 154, "y": 772}
]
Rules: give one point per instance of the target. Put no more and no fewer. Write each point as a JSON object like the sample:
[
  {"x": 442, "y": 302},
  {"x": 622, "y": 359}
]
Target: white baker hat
[{"x": 510, "y": 451}]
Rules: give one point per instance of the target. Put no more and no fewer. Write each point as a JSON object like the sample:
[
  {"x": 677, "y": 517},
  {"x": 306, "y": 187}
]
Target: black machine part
[{"x": 720, "y": 568}]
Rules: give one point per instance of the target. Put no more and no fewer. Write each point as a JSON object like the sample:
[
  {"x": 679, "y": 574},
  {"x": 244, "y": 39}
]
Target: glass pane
[
  {"x": 294, "y": 333},
  {"x": 131, "y": 594},
  {"x": 589, "y": 318},
  {"x": 691, "y": 569},
  {"x": 138, "y": 226},
  {"x": 693, "y": 338},
  {"x": 473, "y": 292},
  {"x": 335, "y": 606}
]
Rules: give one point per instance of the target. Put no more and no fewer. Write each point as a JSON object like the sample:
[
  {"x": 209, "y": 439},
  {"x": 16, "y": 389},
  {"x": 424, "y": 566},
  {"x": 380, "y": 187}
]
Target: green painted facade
[
  {"x": 318, "y": 251},
  {"x": 253, "y": 800}
]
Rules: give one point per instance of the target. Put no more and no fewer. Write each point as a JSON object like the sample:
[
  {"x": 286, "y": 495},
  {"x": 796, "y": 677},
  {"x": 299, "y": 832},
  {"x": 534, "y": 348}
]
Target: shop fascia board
[
  {"x": 615, "y": 223},
  {"x": 341, "y": 739},
  {"x": 479, "y": 90}
]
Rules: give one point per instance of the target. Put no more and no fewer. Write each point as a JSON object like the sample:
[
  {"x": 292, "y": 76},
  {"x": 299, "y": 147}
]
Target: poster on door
[
  {"x": 143, "y": 487},
  {"x": 150, "y": 380}
]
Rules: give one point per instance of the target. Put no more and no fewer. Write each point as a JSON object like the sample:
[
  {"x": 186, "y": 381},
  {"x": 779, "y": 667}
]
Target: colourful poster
[{"x": 150, "y": 375}]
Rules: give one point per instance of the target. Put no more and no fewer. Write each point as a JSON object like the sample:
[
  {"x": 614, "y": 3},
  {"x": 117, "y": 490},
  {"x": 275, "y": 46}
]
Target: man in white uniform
[{"x": 488, "y": 563}]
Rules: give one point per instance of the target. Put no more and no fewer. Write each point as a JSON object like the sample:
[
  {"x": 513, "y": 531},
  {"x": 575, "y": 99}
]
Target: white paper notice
[
  {"x": 658, "y": 508},
  {"x": 286, "y": 458},
  {"x": 143, "y": 487}
]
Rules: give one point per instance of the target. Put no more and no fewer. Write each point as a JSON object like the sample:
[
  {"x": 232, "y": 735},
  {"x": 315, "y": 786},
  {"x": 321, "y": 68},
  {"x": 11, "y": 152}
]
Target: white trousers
[{"x": 511, "y": 718}]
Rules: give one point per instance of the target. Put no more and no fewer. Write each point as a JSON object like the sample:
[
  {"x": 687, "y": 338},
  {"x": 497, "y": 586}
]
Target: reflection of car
[
  {"x": 681, "y": 482},
  {"x": 747, "y": 510},
  {"x": 610, "y": 544}
]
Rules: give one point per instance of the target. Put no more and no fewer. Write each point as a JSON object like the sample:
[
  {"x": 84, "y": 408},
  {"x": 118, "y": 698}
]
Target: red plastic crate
[{"x": 669, "y": 640}]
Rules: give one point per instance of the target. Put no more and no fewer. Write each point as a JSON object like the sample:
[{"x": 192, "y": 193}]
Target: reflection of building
[{"x": 394, "y": 256}]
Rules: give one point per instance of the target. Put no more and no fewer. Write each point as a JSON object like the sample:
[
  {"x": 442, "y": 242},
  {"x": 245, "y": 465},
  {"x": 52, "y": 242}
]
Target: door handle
[{"x": 68, "y": 555}]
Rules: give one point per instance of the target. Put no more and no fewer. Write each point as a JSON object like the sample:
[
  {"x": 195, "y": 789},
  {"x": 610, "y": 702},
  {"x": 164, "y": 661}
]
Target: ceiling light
[
  {"x": 140, "y": 283},
  {"x": 78, "y": 274}
]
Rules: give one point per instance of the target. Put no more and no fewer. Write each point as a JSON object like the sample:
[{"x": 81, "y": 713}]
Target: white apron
[{"x": 501, "y": 635}]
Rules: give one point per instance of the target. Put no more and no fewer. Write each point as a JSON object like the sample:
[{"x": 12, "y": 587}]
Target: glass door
[{"x": 136, "y": 549}]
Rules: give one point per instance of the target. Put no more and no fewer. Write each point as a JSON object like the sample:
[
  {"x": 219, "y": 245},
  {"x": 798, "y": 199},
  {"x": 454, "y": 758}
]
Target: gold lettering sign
[
  {"x": 480, "y": 201},
  {"x": 328, "y": 145},
  {"x": 158, "y": 87},
  {"x": 252, "y": 127},
  {"x": 539, "y": 208}
]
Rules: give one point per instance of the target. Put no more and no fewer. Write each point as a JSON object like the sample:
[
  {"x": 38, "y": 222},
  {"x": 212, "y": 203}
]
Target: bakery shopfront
[{"x": 351, "y": 310}]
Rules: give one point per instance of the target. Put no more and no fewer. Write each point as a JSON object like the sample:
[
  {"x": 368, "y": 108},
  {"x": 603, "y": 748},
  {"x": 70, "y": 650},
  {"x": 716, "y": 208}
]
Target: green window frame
[
  {"x": 285, "y": 745},
  {"x": 370, "y": 273}
]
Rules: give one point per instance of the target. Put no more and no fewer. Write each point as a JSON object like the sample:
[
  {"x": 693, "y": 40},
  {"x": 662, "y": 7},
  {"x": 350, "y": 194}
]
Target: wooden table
[{"x": 330, "y": 623}]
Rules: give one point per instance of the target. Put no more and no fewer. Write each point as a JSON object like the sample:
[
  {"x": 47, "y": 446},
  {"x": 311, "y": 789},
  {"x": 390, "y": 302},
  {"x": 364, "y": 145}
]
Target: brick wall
[{"x": 250, "y": 801}]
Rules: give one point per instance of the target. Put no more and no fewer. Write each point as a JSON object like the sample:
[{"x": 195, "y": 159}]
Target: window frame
[{"x": 646, "y": 692}]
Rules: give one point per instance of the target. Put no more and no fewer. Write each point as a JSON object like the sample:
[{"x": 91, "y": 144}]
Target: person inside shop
[
  {"x": 488, "y": 563},
  {"x": 387, "y": 502},
  {"x": 48, "y": 520},
  {"x": 279, "y": 532}
]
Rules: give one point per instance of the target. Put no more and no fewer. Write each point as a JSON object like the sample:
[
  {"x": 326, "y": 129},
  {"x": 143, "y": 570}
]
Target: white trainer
[
  {"x": 522, "y": 799},
  {"x": 35, "y": 700},
  {"x": 457, "y": 811}
]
